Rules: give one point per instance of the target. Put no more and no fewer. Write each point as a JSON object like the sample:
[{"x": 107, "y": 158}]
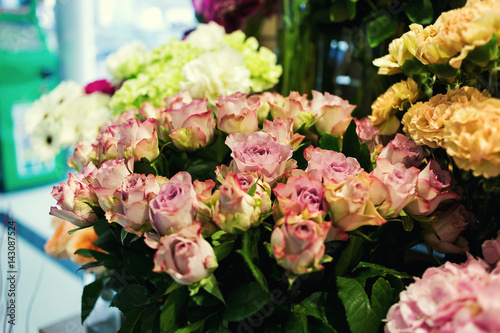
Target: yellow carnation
[
  {"x": 424, "y": 122},
  {"x": 386, "y": 106},
  {"x": 400, "y": 50},
  {"x": 472, "y": 137},
  {"x": 457, "y": 32}
]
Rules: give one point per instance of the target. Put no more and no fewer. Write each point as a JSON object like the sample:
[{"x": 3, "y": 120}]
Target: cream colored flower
[
  {"x": 472, "y": 137},
  {"x": 207, "y": 36},
  {"x": 425, "y": 122},
  {"x": 386, "y": 106},
  {"x": 217, "y": 73},
  {"x": 458, "y": 32},
  {"x": 400, "y": 50}
]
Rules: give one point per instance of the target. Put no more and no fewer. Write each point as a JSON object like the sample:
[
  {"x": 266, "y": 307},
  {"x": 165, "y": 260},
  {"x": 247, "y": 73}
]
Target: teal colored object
[{"x": 27, "y": 70}]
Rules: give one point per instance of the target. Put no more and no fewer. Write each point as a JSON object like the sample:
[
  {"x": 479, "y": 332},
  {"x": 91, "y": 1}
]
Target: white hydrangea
[
  {"x": 127, "y": 61},
  {"x": 221, "y": 72},
  {"x": 207, "y": 36}
]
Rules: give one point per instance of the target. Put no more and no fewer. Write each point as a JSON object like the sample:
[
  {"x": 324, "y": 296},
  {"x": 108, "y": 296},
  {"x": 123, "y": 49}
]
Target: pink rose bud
[
  {"x": 259, "y": 152},
  {"x": 400, "y": 183},
  {"x": 282, "y": 131},
  {"x": 175, "y": 205},
  {"x": 353, "y": 202},
  {"x": 136, "y": 139},
  {"x": 298, "y": 244},
  {"x": 102, "y": 86},
  {"x": 83, "y": 154},
  {"x": 331, "y": 165},
  {"x": 185, "y": 255},
  {"x": 433, "y": 187},
  {"x": 403, "y": 150},
  {"x": 191, "y": 126},
  {"x": 236, "y": 210},
  {"x": 301, "y": 196},
  {"x": 76, "y": 198},
  {"x": 108, "y": 178},
  {"x": 491, "y": 250},
  {"x": 130, "y": 208},
  {"x": 237, "y": 113},
  {"x": 367, "y": 133},
  {"x": 448, "y": 227},
  {"x": 295, "y": 106},
  {"x": 332, "y": 112}
]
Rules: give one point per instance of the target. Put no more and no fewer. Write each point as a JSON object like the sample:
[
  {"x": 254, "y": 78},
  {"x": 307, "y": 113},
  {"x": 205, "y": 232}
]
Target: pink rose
[
  {"x": 130, "y": 208},
  {"x": 301, "y": 196},
  {"x": 124, "y": 117},
  {"x": 76, "y": 198},
  {"x": 432, "y": 189},
  {"x": 298, "y": 244},
  {"x": 445, "y": 234},
  {"x": 295, "y": 106},
  {"x": 83, "y": 154},
  {"x": 148, "y": 111},
  {"x": 108, "y": 178},
  {"x": 175, "y": 205},
  {"x": 259, "y": 152},
  {"x": 136, "y": 139},
  {"x": 205, "y": 201},
  {"x": 491, "y": 250},
  {"x": 191, "y": 126},
  {"x": 367, "y": 133},
  {"x": 177, "y": 100},
  {"x": 402, "y": 150},
  {"x": 185, "y": 255},
  {"x": 331, "y": 165},
  {"x": 332, "y": 112},
  {"x": 282, "y": 131},
  {"x": 353, "y": 202},
  {"x": 102, "y": 86},
  {"x": 237, "y": 113},
  {"x": 236, "y": 210},
  {"x": 400, "y": 182},
  {"x": 247, "y": 181}
]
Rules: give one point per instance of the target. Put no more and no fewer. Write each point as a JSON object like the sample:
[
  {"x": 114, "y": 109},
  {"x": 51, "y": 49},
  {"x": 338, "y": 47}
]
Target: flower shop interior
[{"x": 249, "y": 166}]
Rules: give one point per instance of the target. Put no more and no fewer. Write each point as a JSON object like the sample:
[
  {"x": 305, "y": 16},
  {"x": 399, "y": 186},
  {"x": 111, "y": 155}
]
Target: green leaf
[
  {"x": 210, "y": 284},
  {"x": 131, "y": 296},
  {"x": 250, "y": 254},
  {"x": 194, "y": 327},
  {"x": 144, "y": 166},
  {"x": 364, "y": 158},
  {"x": 419, "y": 11},
  {"x": 132, "y": 322},
  {"x": 329, "y": 142},
  {"x": 350, "y": 142},
  {"x": 172, "y": 308},
  {"x": 350, "y": 255},
  {"x": 297, "y": 321},
  {"x": 484, "y": 54},
  {"x": 223, "y": 250},
  {"x": 91, "y": 293},
  {"x": 244, "y": 301},
  {"x": 161, "y": 166},
  {"x": 381, "y": 28},
  {"x": 342, "y": 10},
  {"x": 383, "y": 269},
  {"x": 314, "y": 306},
  {"x": 407, "y": 223},
  {"x": 381, "y": 298},
  {"x": 357, "y": 306},
  {"x": 124, "y": 235},
  {"x": 137, "y": 263}
]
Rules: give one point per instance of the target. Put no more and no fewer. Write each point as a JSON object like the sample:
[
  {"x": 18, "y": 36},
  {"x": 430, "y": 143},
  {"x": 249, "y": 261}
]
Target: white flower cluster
[{"x": 63, "y": 117}]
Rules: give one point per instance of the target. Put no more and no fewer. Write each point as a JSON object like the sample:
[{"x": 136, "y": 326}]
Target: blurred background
[{"x": 42, "y": 43}]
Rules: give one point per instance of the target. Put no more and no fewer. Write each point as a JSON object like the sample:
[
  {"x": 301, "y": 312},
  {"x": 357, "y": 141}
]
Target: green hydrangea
[{"x": 161, "y": 73}]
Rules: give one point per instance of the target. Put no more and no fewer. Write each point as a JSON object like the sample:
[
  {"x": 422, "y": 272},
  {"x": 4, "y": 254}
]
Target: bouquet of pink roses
[{"x": 264, "y": 213}]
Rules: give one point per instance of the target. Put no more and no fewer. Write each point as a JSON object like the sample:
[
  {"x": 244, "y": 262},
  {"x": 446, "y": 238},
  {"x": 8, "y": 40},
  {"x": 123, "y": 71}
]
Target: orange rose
[{"x": 63, "y": 245}]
